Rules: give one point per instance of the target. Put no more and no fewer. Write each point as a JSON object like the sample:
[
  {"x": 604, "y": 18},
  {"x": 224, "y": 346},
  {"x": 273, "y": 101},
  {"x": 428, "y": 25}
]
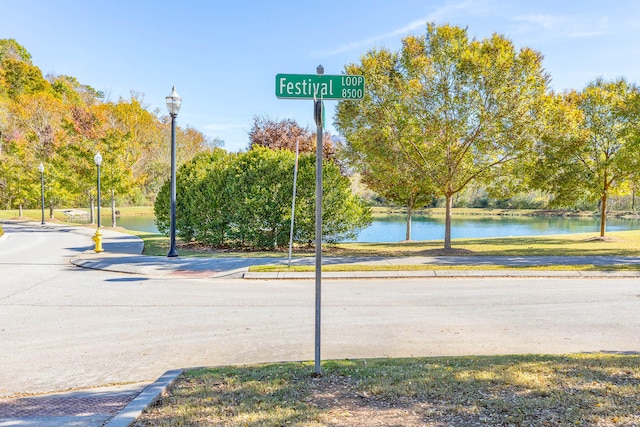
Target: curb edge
[{"x": 146, "y": 398}]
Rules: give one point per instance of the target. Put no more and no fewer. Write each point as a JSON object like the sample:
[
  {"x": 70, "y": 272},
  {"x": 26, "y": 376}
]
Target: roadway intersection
[{"x": 63, "y": 327}]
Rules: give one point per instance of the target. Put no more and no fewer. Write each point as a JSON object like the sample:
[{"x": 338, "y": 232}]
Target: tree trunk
[
  {"x": 51, "y": 211},
  {"x": 407, "y": 236},
  {"x": 113, "y": 208},
  {"x": 20, "y": 210},
  {"x": 447, "y": 222},
  {"x": 603, "y": 214}
]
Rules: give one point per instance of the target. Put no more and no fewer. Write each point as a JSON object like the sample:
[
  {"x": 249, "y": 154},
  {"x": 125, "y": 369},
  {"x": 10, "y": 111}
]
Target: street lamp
[
  {"x": 173, "y": 105},
  {"x": 98, "y": 236},
  {"x": 41, "y": 169}
]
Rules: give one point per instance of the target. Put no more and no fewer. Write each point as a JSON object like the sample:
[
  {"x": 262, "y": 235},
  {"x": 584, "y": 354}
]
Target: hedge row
[{"x": 244, "y": 200}]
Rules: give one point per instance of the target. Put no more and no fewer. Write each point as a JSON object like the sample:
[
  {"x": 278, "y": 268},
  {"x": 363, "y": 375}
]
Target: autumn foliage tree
[
  {"x": 590, "y": 149},
  {"x": 467, "y": 108},
  {"x": 62, "y": 123},
  {"x": 283, "y": 134},
  {"x": 377, "y": 127}
]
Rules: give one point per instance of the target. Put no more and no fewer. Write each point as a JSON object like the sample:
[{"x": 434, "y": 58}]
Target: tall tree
[
  {"x": 377, "y": 126},
  {"x": 592, "y": 148},
  {"x": 469, "y": 108}
]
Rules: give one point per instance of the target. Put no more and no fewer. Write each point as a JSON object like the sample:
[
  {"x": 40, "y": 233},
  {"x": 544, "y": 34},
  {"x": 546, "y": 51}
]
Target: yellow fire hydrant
[{"x": 97, "y": 238}]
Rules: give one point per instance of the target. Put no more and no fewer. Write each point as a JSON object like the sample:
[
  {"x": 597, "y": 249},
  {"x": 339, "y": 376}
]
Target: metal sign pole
[
  {"x": 293, "y": 202},
  {"x": 317, "y": 109},
  {"x": 318, "y": 87}
]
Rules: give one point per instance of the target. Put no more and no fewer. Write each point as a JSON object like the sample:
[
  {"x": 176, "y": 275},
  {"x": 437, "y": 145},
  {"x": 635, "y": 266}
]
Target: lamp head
[
  {"x": 173, "y": 102},
  {"x": 41, "y": 167},
  {"x": 98, "y": 159}
]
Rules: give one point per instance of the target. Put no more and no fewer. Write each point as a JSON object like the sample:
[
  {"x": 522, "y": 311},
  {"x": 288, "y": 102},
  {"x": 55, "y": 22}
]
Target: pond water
[{"x": 391, "y": 228}]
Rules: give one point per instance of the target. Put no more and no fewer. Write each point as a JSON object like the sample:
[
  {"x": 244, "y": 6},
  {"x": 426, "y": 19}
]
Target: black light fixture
[
  {"x": 173, "y": 105},
  {"x": 97, "y": 238},
  {"x": 41, "y": 169}
]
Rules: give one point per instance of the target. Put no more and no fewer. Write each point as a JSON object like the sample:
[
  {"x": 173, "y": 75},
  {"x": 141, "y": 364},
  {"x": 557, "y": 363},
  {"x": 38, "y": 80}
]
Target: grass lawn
[
  {"x": 625, "y": 243},
  {"x": 527, "y": 390},
  {"x": 620, "y": 243}
]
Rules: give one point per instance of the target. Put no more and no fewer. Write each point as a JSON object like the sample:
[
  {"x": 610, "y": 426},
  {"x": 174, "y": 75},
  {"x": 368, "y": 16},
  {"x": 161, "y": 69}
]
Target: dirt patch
[
  {"x": 602, "y": 239},
  {"x": 342, "y": 406},
  {"x": 446, "y": 252}
]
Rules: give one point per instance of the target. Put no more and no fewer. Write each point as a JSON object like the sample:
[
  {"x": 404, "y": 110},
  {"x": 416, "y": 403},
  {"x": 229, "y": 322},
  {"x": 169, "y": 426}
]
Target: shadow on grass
[
  {"x": 571, "y": 245},
  {"x": 583, "y": 389}
]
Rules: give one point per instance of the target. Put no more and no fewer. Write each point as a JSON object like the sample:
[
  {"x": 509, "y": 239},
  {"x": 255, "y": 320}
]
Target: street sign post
[{"x": 319, "y": 86}]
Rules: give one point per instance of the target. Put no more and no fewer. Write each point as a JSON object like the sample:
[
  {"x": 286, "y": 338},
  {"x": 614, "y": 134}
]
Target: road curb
[
  {"x": 148, "y": 397},
  {"x": 441, "y": 274}
]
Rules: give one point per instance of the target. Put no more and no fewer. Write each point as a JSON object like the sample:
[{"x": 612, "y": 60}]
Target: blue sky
[{"x": 223, "y": 56}]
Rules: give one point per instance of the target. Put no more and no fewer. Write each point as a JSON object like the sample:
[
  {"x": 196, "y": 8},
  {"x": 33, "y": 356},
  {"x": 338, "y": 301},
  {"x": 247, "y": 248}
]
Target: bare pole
[
  {"x": 293, "y": 202},
  {"x": 41, "y": 169}
]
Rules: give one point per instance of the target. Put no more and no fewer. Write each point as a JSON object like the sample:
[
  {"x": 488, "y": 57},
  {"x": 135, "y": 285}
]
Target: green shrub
[{"x": 244, "y": 200}]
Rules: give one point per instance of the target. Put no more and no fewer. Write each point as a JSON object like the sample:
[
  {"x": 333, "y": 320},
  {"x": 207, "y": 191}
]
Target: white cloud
[
  {"x": 437, "y": 15},
  {"x": 547, "y": 22},
  {"x": 558, "y": 26},
  {"x": 369, "y": 41}
]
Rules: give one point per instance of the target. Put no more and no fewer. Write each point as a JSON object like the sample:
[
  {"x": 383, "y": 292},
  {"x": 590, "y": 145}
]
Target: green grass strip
[
  {"x": 430, "y": 267},
  {"x": 526, "y": 390}
]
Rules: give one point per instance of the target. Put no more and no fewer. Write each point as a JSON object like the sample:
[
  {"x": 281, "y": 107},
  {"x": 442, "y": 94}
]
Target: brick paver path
[{"x": 102, "y": 402}]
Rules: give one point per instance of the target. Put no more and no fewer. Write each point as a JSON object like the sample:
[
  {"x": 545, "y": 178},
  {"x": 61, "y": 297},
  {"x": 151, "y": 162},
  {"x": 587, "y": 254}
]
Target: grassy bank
[
  {"x": 619, "y": 243},
  {"x": 626, "y": 243},
  {"x": 383, "y": 211},
  {"x": 528, "y": 390},
  {"x": 61, "y": 216},
  {"x": 35, "y": 214}
]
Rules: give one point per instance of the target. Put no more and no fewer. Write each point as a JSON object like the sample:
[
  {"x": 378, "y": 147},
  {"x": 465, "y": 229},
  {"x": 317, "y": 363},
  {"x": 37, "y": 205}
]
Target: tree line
[
  {"x": 58, "y": 122},
  {"x": 444, "y": 114}
]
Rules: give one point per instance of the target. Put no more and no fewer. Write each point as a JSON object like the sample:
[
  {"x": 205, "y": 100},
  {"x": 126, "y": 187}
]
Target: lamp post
[
  {"x": 98, "y": 236},
  {"x": 173, "y": 105},
  {"x": 41, "y": 169}
]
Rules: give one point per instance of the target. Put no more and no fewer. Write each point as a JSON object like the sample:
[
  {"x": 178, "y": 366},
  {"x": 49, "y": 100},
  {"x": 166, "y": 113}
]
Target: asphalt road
[{"x": 63, "y": 326}]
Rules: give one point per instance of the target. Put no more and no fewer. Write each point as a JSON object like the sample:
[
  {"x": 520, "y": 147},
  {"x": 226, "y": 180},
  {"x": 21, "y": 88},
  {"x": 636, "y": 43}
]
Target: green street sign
[{"x": 314, "y": 86}]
